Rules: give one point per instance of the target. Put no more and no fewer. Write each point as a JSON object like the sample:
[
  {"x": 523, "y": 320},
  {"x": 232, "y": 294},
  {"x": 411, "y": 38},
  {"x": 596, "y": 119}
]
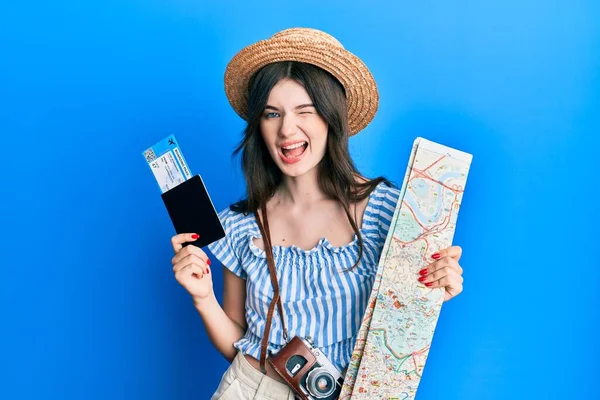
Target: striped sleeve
[
  {"x": 386, "y": 210},
  {"x": 227, "y": 249}
]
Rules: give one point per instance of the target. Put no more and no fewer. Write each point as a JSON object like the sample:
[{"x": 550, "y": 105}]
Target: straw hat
[{"x": 309, "y": 46}]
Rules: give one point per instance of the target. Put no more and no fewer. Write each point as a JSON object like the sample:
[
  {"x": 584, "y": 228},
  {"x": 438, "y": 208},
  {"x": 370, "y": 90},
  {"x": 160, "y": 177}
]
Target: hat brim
[{"x": 361, "y": 90}]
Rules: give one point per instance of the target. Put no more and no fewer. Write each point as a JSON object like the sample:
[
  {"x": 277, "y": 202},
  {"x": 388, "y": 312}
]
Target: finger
[
  {"x": 447, "y": 262},
  {"x": 190, "y": 259},
  {"x": 177, "y": 241},
  {"x": 189, "y": 270},
  {"x": 438, "y": 274},
  {"x": 187, "y": 250},
  {"x": 457, "y": 268},
  {"x": 437, "y": 283},
  {"x": 442, "y": 263},
  {"x": 451, "y": 284},
  {"x": 453, "y": 251},
  {"x": 451, "y": 287}
]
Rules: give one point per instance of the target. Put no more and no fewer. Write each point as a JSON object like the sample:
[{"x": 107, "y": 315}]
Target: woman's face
[{"x": 295, "y": 134}]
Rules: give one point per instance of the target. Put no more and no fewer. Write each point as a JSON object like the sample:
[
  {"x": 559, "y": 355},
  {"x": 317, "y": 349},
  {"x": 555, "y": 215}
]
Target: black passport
[{"x": 191, "y": 211}]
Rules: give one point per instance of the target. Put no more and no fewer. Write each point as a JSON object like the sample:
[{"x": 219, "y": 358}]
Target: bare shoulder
[
  {"x": 361, "y": 179},
  {"x": 358, "y": 208}
]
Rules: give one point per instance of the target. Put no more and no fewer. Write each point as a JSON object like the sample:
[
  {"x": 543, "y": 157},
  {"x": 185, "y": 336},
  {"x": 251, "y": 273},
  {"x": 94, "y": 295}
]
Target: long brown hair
[{"x": 337, "y": 175}]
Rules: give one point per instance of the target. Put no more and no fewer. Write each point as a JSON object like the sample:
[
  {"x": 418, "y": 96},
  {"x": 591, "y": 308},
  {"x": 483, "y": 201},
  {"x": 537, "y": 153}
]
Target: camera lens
[{"x": 320, "y": 383}]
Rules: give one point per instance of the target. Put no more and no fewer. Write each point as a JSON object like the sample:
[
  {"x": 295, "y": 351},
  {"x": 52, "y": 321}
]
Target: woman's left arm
[{"x": 444, "y": 272}]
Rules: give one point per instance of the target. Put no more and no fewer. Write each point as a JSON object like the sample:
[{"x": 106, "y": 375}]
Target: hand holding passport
[{"x": 185, "y": 196}]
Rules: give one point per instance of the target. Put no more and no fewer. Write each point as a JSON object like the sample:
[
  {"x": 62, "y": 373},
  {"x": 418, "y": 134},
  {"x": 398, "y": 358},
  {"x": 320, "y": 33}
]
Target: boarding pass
[{"x": 167, "y": 163}]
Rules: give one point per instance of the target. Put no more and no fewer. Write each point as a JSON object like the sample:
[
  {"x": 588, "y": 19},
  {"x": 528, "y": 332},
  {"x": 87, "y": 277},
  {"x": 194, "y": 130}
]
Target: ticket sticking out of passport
[
  {"x": 185, "y": 196},
  {"x": 167, "y": 163}
]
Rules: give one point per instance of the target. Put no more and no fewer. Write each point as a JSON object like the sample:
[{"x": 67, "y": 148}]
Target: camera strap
[{"x": 266, "y": 235}]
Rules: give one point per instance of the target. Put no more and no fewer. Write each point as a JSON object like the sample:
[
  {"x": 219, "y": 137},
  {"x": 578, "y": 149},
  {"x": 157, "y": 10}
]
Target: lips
[{"x": 292, "y": 152}]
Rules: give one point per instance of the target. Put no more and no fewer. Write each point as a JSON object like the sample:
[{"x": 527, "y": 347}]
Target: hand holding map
[{"x": 446, "y": 272}]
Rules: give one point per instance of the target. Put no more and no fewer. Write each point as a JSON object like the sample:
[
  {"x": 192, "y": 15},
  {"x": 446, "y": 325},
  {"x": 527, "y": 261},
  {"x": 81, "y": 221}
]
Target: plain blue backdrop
[{"x": 89, "y": 307}]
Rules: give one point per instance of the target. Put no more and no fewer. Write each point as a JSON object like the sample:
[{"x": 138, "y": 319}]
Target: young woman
[{"x": 303, "y": 95}]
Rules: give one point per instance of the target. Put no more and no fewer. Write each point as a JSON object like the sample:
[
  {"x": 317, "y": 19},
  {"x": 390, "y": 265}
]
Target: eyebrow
[{"x": 301, "y": 106}]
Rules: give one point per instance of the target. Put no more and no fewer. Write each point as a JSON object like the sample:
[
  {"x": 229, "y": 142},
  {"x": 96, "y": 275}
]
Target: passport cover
[{"x": 191, "y": 211}]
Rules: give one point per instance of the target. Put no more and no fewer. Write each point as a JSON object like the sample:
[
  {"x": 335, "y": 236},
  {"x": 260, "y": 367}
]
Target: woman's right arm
[{"x": 224, "y": 325}]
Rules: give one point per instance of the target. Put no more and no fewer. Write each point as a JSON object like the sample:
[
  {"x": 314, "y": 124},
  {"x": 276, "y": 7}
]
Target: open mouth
[{"x": 293, "y": 152}]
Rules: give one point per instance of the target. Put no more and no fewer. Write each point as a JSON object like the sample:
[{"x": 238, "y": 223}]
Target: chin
[{"x": 295, "y": 171}]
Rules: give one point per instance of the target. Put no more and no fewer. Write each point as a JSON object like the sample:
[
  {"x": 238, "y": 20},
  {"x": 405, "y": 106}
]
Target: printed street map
[{"x": 395, "y": 336}]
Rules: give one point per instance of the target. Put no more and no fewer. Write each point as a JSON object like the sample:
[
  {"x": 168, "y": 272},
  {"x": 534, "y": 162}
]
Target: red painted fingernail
[
  {"x": 429, "y": 284},
  {"x": 421, "y": 279},
  {"x": 207, "y": 271},
  {"x": 195, "y": 236},
  {"x": 208, "y": 261},
  {"x": 423, "y": 271},
  {"x": 436, "y": 256}
]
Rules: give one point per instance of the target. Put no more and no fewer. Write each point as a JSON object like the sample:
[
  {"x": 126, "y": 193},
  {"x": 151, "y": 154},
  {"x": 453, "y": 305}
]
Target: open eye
[{"x": 270, "y": 115}]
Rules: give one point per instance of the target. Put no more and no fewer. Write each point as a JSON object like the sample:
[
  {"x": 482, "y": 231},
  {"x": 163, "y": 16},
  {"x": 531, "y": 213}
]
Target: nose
[{"x": 289, "y": 126}]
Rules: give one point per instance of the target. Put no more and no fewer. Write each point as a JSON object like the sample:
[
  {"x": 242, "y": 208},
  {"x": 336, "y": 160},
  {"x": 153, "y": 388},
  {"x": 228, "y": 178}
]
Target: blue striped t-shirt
[{"x": 322, "y": 296}]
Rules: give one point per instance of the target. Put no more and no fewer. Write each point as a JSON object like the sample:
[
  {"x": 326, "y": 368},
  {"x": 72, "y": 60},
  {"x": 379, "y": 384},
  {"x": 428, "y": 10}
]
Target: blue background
[{"x": 88, "y": 303}]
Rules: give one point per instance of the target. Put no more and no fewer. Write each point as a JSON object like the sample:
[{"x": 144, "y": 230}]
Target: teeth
[{"x": 294, "y": 146}]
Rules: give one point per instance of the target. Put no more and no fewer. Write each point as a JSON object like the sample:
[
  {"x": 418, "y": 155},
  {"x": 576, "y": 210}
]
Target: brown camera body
[{"x": 307, "y": 371}]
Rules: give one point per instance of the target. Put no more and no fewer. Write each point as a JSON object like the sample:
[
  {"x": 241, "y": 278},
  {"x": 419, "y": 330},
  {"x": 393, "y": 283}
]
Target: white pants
[{"x": 242, "y": 381}]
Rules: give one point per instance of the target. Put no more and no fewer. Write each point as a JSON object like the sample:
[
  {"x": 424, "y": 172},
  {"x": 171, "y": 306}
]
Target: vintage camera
[{"x": 307, "y": 370}]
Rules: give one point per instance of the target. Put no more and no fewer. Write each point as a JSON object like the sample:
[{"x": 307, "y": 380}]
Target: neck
[{"x": 301, "y": 190}]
